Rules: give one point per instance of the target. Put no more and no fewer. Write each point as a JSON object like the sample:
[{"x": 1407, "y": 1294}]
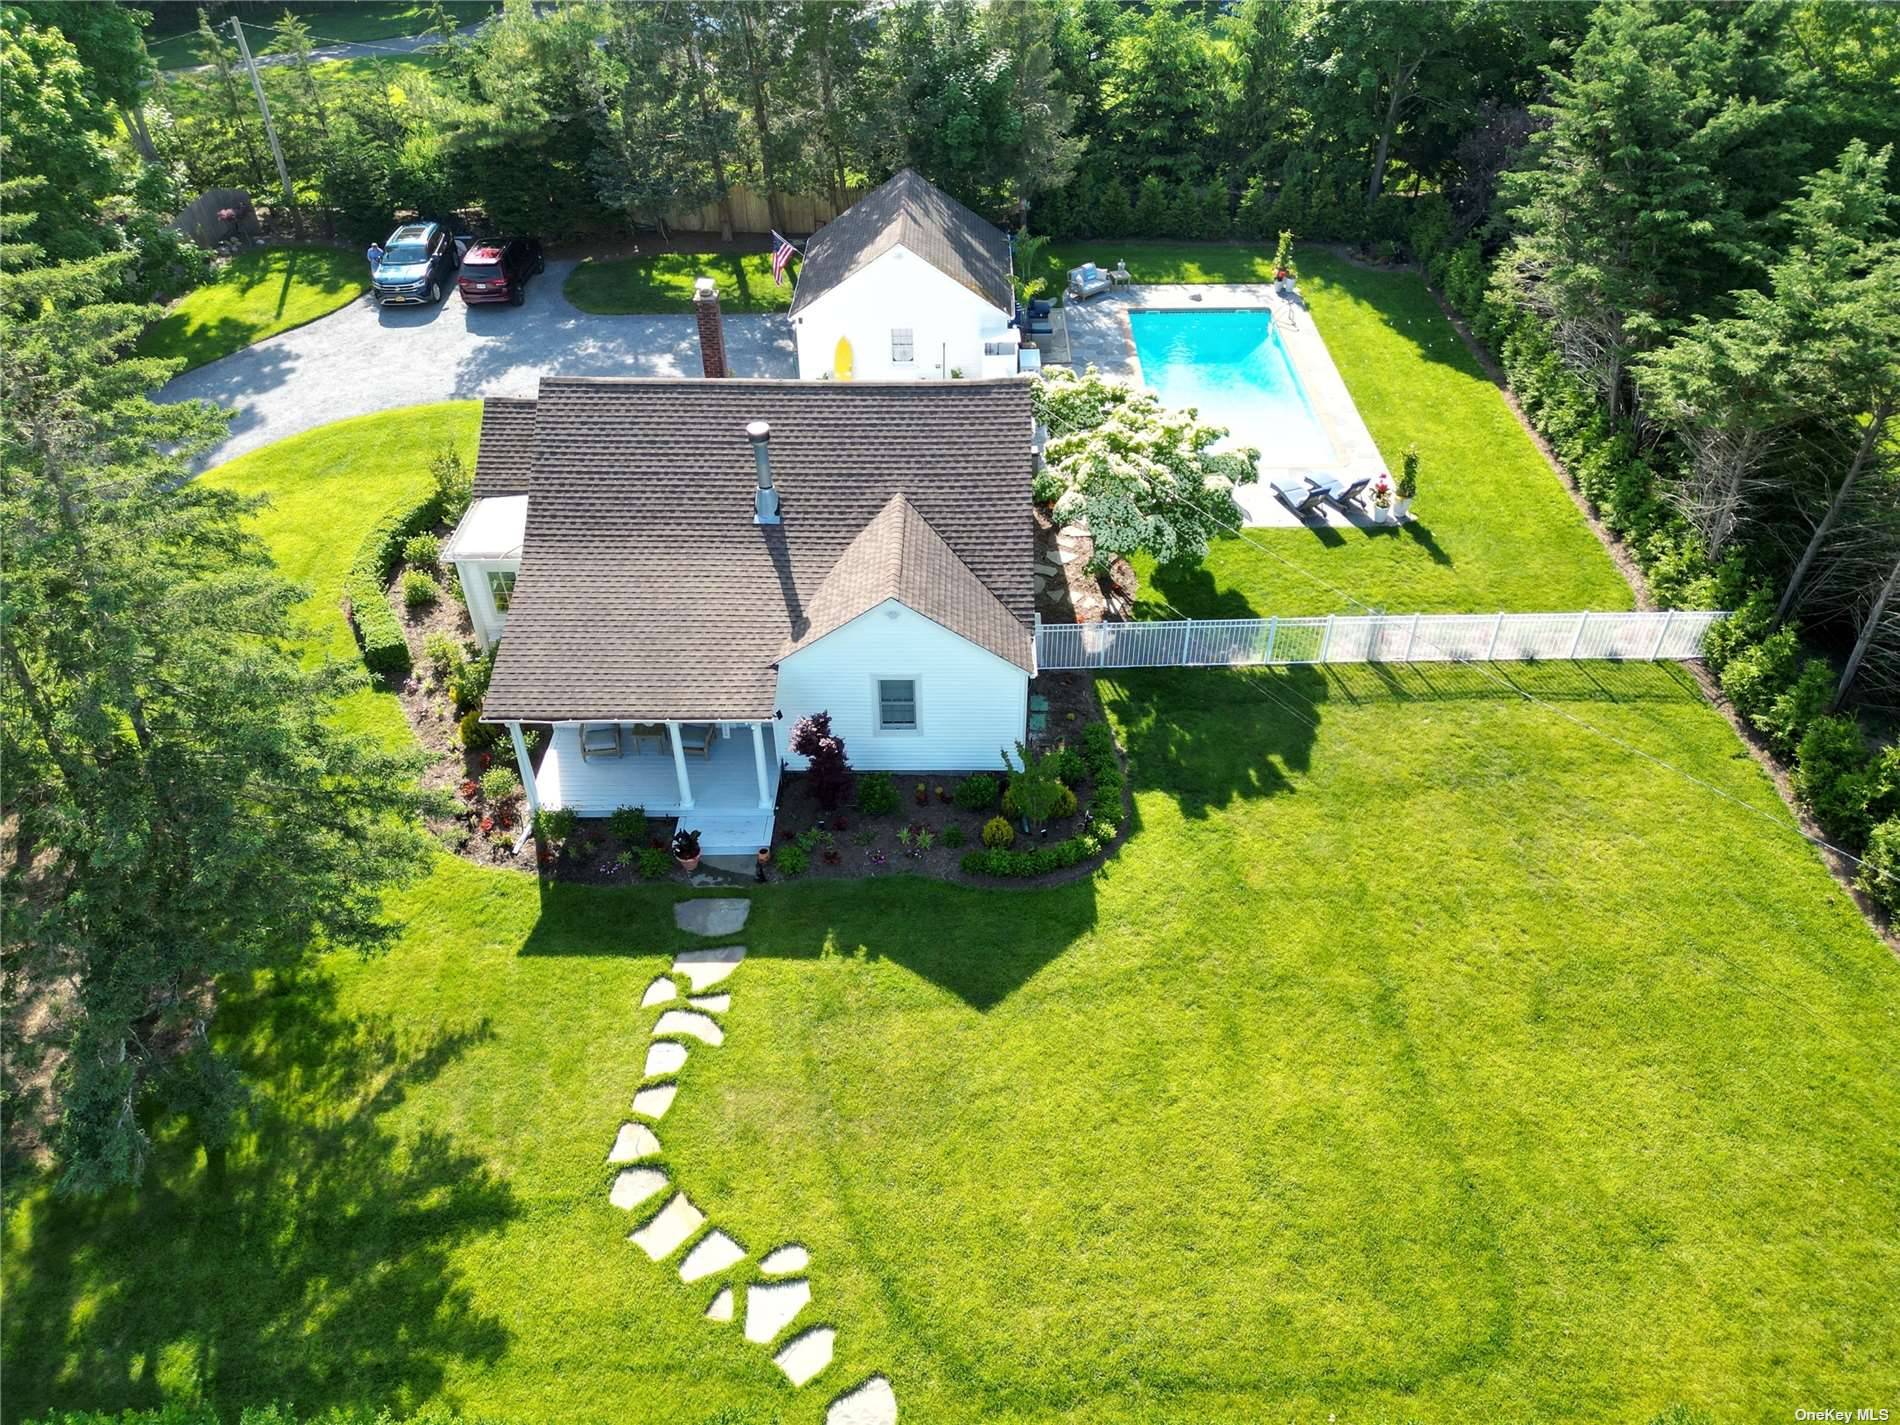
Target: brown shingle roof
[
  {"x": 909, "y": 210},
  {"x": 505, "y": 456},
  {"x": 899, "y": 556},
  {"x": 646, "y": 591}
]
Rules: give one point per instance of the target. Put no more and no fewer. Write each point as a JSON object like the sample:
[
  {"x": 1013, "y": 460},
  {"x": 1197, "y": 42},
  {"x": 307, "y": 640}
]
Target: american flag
[{"x": 782, "y": 253}]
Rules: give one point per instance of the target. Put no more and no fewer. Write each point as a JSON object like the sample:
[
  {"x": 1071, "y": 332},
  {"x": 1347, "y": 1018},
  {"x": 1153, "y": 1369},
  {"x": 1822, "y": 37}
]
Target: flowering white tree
[{"x": 1140, "y": 475}]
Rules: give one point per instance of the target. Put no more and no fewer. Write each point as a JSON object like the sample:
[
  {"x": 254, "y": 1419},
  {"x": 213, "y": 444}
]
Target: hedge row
[
  {"x": 378, "y": 632},
  {"x": 1104, "y": 819},
  {"x": 1773, "y": 685}
]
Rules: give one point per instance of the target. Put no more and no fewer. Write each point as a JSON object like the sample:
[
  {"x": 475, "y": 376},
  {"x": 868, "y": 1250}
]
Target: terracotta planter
[{"x": 685, "y": 865}]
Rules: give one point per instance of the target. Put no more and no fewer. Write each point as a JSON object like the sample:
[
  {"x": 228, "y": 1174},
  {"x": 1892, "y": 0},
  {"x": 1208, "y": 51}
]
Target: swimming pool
[{"x": 1231, "y": 367}]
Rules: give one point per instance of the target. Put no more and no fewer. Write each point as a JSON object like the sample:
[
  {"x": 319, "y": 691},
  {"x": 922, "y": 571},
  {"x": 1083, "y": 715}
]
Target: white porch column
[
  {"x": 758, "y": 757},
  {"x": 679, "y": 765},
  {"x": 526, "y": 766}
]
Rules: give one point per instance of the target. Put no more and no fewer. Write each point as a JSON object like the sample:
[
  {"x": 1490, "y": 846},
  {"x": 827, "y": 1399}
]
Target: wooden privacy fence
[{"x": 1373, "y": 638}]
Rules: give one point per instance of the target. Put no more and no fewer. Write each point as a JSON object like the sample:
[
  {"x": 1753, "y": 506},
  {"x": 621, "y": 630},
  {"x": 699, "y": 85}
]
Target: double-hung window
[
  {"x": 896, "y": 704},
  {"x": 903, "y": 346},
  {"x": 501, "y": 588}
]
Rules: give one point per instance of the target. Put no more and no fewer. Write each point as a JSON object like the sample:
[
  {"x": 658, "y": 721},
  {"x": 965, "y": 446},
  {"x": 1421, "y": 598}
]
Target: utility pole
[{"x": 263, "y": 107}]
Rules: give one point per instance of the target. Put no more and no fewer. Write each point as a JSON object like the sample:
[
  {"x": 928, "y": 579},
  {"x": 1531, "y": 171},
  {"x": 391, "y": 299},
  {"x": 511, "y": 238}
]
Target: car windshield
[{"x": 405, "y": 253}]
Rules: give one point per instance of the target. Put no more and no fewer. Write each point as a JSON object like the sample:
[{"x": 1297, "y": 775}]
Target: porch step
[{"x": 725, "y": 833}]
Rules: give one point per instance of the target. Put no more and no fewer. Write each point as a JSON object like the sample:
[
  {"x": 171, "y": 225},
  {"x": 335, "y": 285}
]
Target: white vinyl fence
[{"x": 1373, "y": 638}]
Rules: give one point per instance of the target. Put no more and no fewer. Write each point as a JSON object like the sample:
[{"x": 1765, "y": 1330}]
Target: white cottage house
[
  {"x": 905, "y": 283},
  {"x": 684, "y": 568}
]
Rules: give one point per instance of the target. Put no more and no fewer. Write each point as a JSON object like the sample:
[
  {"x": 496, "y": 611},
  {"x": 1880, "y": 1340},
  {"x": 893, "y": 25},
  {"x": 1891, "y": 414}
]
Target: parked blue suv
[{"x": 418, "y": 265}]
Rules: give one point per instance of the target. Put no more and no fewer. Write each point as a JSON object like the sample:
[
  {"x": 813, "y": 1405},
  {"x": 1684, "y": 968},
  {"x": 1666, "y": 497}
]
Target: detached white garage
[{"x": 907, "y": 282}]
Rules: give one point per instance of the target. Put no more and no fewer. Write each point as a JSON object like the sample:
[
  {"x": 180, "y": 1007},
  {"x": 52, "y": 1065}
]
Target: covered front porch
[{"x": 718, "y": 778}]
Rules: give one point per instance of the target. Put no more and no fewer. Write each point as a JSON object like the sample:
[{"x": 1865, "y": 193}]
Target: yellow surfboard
[{"x": 841, "y": 359}]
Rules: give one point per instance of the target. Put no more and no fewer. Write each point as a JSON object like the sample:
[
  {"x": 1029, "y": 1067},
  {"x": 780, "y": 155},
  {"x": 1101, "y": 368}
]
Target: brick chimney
[{"x": 712, "y": 327}]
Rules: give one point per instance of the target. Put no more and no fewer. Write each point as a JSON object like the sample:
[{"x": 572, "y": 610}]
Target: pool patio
[{"x": 1100, "y": 336}]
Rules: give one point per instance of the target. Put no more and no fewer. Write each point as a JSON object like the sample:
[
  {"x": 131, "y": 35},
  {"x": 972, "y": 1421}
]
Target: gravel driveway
[{"x": 365, "y": 358}]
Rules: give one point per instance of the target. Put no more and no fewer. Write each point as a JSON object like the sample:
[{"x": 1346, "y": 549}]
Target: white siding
[
  {"x": 949, "y": 324},
  {"x": 482, "y": 613},
  {"x": 970, "y": 703}
]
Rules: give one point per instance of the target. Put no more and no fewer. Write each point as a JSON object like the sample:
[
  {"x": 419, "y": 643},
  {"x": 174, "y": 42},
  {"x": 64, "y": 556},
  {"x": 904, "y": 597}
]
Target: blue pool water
[{"x": 1231, "y": 367}]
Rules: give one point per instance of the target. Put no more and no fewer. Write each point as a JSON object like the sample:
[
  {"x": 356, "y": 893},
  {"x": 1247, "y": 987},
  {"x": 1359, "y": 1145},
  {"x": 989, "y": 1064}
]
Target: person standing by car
[{"x": 375, "y": 256}]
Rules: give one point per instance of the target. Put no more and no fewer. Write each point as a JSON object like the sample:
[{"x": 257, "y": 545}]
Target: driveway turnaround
[{"x": 363, "y": 358}]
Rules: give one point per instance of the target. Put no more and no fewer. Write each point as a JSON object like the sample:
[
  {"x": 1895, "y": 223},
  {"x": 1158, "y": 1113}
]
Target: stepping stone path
[
  {"x": 665, "y": 1057},
  {"x": 873, "y": 1403},
  {"x": 634, "y": 1142},
  {"x": 633, "y": 1186},
  {"x": 789, "y": 1258},
  {"x": 770, "y": 1307},
  {"x": 712, "y": 1254},
  {"x": 673, "y": 1224},
  {"x": 804, "y": 1356},
  {"x": 712, "y": 917}
]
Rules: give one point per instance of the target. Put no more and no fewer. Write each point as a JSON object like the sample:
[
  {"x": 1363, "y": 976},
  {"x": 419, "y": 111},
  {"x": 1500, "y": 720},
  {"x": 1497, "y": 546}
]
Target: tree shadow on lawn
[{"x": 309, "y": 1262}]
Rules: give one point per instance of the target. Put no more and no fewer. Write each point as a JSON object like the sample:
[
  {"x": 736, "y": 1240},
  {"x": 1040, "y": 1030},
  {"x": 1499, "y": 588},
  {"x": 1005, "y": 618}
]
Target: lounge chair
[
  {"x": 1300, "y": 496},
  {"x": 696, "y": 739},
  {"x": 1087, "y": 281},
  {"x": 1343, "y": 493},
  {"x": 1028, "y": 321},
  {"x": 600, "y": 742}
]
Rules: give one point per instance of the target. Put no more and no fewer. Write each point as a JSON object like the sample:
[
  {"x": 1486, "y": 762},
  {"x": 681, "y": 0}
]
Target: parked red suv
[{"x": 499, "y": 271}]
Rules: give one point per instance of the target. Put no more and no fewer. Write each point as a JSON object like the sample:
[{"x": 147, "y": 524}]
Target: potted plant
[
  {"x": 1382, "y": 502},
  {"x": 765, "y": 855},
  {"x": 686, "y": 850},
  {"x": 1408, "y": 486},
  {"x": 1283, "y": 270}
]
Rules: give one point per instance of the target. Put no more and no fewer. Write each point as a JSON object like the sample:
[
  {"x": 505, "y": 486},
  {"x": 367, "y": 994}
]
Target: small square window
[
  {"x": 896, "y": 705},
  {"x": 903, "y": 346},
  {"x": 501, "y": 588}
]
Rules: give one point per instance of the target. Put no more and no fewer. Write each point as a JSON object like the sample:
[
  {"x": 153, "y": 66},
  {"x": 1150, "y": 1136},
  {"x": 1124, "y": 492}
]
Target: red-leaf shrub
[{"x": 829, "y": 772}]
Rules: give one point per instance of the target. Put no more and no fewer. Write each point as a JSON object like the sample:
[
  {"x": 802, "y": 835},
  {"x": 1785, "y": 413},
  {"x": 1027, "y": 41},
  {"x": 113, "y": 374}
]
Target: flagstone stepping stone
[
  {"x": 771, "y": 1306},
  {"x": 804, "y": 1356},
  {"x": 712, "y": 917},
  {"x": 712, "y": 1253},
  {"x": 665, "y": 1057},
  {"x": 721, "y": 1308},
  {"x": 654, "y": 1102},
  {"x": 661, "y": 991},
  {"x": 671, "y": 1226},
  {"x": 706, "y": 968},
  {"x": 712, "y": 1004},
  {"x": 873, "y": 1403},
  {"x": 690, "y": 1021},
  {"x": 789, "y": 1258},
  {"x": 634, "y": 1142},
  {"x": 633, "y": 1186}
]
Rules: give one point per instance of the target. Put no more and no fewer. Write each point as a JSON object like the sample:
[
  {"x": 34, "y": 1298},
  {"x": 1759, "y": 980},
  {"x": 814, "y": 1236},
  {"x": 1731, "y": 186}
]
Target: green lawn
[
  {"x": 257, "y": 294},
  {"x": 663, "y": 282},
  {"x": 1493, "y": 528},
  {"x": 326, "y": 487},
  {"x": 1421, "y": 1056},
  {"x": 172, "y": 38}
]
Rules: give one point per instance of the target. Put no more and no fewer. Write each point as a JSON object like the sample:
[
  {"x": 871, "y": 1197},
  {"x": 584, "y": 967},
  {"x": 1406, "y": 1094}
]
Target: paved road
[{"x": 365, "y": 358}]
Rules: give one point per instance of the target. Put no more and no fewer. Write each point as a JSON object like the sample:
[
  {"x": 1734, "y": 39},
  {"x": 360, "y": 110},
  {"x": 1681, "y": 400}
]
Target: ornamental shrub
[
  {"x": 454, "y": 483},
  {"x": 877, "y": 794},
  {"x": 1032, "y": 785},
  {"x": 555, "y": 825},
  {"x": 385, "y": 650},
  {"x": 629, "y": 825},
  {"x": 468, "y": 684},
  {"x": 793, "y": 859},
  {"x": 976, "y": 792},
  {"x": 953, "y": 836},
  {"x": 1833, "y": 777},
  {"x": 1880, "y": 865},
  {"x": 1065, "y": 803},
  {"x": 1069, "y": 766},
  {"x": 823, "y": 750},
  {"x": 476, "y": 735},
  {"x": 1755, "y": 676},
  {"x": 655, "y": 862},
  {"x": 419, "y": 590},
  {"x": 424, "y": 550},
  {"x": 500, "y": 784},
  {"x": 444, "y": 654},
  {"x": 1798, "y": 705},
  {"x": 998, "y": 833}
]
